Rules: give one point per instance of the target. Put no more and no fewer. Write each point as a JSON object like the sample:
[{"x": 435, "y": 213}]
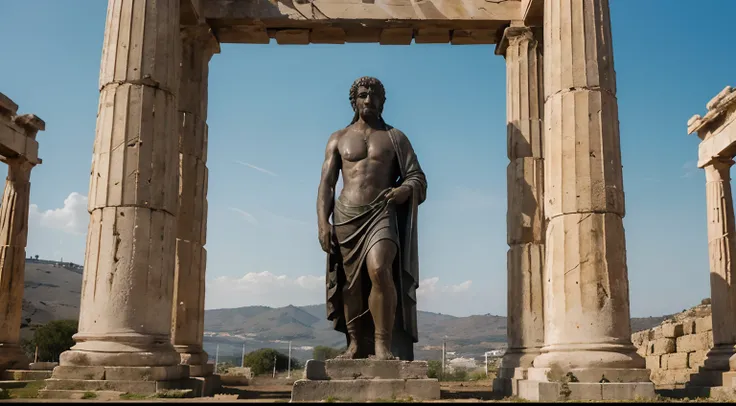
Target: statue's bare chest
[{"x": 355, "y": 146}]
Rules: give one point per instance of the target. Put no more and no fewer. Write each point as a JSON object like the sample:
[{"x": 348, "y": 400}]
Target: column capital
[
  {"x": 718, "y": 169},
  {"x": 514, "y": 34}
]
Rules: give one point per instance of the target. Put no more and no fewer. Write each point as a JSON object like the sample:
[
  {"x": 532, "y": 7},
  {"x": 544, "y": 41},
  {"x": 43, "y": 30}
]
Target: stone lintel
[
  {"x": 719, "y": 145},
  {"x": 191, "y": 11},
  {"x": 724, "y": 101},
  {"x": 532, "y": 12},
  {"x": 18, "y": 132}
]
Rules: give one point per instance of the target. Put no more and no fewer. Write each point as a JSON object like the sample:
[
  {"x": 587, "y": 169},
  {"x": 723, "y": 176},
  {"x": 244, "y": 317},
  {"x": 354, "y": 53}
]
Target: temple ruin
[
  {"x": 19, "y": 151},
  {"x": 142, "y": 306}
]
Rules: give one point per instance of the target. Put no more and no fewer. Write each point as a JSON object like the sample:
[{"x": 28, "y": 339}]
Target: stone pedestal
[
  {"x": 586, "y": 291},
  {"x": 127, "y": 288},
  {"x": 13, "y": 238},
  {"x": 365, "y": 381},
  {"x": 525, "y": 218}
]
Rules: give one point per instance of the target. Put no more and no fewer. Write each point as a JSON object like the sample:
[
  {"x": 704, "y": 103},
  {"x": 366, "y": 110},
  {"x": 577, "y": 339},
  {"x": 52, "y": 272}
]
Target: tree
[
  {"x": 36, "y": 257},
  {"x": 52, "y": 339},
  {"x": 323, "y": 353},
  {"x": 261, "y": 361}
]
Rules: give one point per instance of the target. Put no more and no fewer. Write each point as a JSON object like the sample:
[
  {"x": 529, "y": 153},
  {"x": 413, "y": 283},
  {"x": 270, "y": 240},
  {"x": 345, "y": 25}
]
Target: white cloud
[
  {"x": 72, "y": 218},
  {"x": 268, "y": 289},
  {"x": 690, "y": 168}
]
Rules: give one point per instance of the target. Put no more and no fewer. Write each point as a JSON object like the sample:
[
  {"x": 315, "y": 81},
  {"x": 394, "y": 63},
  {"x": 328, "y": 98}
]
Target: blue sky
[{"x": 272, "y": 108}]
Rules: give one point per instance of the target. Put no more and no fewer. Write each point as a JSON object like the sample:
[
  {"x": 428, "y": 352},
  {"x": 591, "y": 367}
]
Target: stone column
[
  {"x": 187, "y": 331},
  {"x": 13, "y": 238},
  {"x": 586, "y": 291},
  {"x": 127, "y": 286},
  {"x": 525, "y": 216},
  {"x": 721, "y": 249}
]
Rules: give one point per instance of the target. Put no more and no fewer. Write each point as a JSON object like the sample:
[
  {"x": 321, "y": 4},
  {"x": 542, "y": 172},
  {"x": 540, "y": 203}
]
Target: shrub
[{"x": 261, "y": 361}]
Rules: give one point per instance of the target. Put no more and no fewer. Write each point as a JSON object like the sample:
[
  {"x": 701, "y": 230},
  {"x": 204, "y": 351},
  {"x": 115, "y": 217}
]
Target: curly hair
[{"x": 371, "y": 83}]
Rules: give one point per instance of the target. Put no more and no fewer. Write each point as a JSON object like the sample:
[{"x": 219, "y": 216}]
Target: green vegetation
[
  {"x": 4, "y": 394},
  {"x": 89, "y": 395},
  {"x": 132, "y": 396},
  {"x": 51, "y": 339},
  {"x": 323, "y": 353},
  {"x": 30, "y": 391},
  {"x": 262, "y": 361}
]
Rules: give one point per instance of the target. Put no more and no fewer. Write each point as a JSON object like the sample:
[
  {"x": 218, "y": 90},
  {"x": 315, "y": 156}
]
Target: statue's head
[{"x": 367, "y": 96}]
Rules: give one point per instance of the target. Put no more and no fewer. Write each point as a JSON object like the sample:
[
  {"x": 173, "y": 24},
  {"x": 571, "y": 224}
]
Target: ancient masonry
[
  {"x": 717, "y": 132},
  {"x": 141, "y": 313},
  {"x": 19, "y": 150}
]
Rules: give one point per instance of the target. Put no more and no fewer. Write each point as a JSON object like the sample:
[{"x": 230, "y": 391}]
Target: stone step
[
  {"x": 365, "y": 390},
  {"x": 25, "y": 375},
  {"x": 14, "y": 384},
  {"x": 78, "y": 394},
  {"x": 365, "y": 369},
  {"x": 138, "y": 387}
]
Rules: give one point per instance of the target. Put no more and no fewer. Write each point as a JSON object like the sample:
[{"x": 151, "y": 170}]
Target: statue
[{"x": 371, "y": 245}]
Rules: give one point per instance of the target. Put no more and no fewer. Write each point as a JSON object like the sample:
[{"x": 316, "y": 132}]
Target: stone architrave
[
  {"x": 127, "y": 288},
  {"x": 187, "y": 331},
  {"x": 13, "y": 238},
  {"x": 525, "y": 216},
  {"x": 586, "y": 292}
]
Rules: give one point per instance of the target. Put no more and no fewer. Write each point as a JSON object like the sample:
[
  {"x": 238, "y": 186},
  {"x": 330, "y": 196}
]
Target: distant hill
[{"x": 53, "y": 292}]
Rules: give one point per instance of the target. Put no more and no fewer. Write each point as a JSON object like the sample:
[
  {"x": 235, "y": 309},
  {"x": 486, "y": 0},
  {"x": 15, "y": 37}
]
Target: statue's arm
[
  {"x": 328, "y": 180},
  {"x": 415, "y": 177}
]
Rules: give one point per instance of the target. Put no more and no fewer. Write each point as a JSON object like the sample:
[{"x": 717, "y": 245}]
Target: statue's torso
[{"x": 369, "y": 165}]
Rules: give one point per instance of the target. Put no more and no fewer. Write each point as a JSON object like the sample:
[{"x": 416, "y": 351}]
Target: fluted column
[
  {"x": 525, "y": 216},
  {"x": 721, "y": 249},
  {"x": 187, "y": 331},
  {"x": 127, "y": 287},
  {"x": 586, "y": 291},
  {"x": 13, "y": 239}
]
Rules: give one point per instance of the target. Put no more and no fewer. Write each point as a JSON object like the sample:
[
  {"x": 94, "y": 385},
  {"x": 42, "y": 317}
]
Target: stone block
[
  {"x": 639, "y": 338},
  {"x": 554, "y": 391},
  {"x": 656, "y": 333},
  {"x": 695, "y": 342},
  {"x": 525, "y": 215},
  {"x": 662, "y": 346},
  {"x": 703, "y": 324},
  {"x": 590, "y": 375},
  {"x": 201, "y": 370},
  {"x": 672, "y": 330},
  {"x": 643, "y": 350},
  {"x": 654, "y": 362},
  {"x": 671, "y": 376},
  {"x": 365, "y": 390},
  {"x": 78, "y": 394},
  {"x": 141, "y": 387},
  {"x": 43, "y": 366},
  {"x": 75, "y": 372},
  {"x": 688, "y": 327},
  {"x": 146, "y": 373},
  {"x": 371, "y": 369},
  {"x": 696, "y": 359},
  {"x": 677, "y": 360},
  {"x": 25, "y": 375}
]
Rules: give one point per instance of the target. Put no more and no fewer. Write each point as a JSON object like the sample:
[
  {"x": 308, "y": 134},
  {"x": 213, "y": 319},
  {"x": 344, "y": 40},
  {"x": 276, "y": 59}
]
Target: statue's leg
[
  {"x": 382, "y": 300},
  {"x": 353, "y": 334}
]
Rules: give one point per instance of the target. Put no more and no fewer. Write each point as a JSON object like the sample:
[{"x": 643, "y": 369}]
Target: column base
[
  {"x": 196, "y": 358},
  {"x": 554, "y": 384},
  {"x": 576, "y": 356},
  {"x": 13, "y": 357},
  {"x": 122, "y": 350},
  {"x": 514, "y": 365}
]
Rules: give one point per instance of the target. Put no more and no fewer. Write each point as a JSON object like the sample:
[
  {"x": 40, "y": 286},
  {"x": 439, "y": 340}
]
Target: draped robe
[{"x": 348, "y": 284}]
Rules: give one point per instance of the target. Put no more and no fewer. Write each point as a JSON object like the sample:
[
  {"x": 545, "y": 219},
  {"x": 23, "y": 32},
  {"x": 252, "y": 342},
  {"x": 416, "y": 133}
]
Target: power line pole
[
  {"x": 444, "y": 352},
  {"x": 242, "y": 357},
  {"x": 274, "y": 366},
  {"x": 288, "y": 374},
  {"x": 217, "y": 356}
]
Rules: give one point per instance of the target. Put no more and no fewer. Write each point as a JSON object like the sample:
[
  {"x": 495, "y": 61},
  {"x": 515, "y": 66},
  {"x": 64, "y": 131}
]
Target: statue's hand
[
  {"x": 325, "y": 238},
  {"x": 399, "y": 195}
]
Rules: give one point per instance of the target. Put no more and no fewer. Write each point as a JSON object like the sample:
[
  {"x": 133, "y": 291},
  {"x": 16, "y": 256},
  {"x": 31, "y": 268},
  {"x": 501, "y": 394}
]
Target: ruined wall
[{"x": 676, "y": 348}]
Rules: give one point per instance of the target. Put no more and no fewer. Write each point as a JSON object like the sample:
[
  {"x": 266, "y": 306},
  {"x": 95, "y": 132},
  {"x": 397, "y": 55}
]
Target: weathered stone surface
[
  {"x": 695, "y": 342},
  {"x": 366, "y": 390},
  {"x": 589, "y": 375},
  {"x": 662, "y": 346},
  {"x": 677, "y": 360},
  {"x": 337, "y": 369},
  {"x": 42, "y": 366},
  {"x": 13, "y": 238},
  {"x": 525, "y": 322},
  {"x": 554, "y": 391},
  {"x": 525, "y": 215},
  {"x": 127, "y": 288},
  {"x": 672, "y": 330},
  {"x": 653, "y": 362},
  {"x": 25, "y": 375},
  {"x": 696, "y": 358}
]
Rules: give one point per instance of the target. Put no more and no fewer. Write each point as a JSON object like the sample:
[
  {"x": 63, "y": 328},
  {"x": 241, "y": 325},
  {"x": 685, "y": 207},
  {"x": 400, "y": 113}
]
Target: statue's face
[{"x": 368, "y": 102}]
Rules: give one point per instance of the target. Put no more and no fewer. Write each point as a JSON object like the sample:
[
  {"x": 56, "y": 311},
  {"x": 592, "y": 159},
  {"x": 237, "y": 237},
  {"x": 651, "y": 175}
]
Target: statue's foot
[
  {"x": 383, "y": 353},
  {"x": 350, "y": 353}
]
